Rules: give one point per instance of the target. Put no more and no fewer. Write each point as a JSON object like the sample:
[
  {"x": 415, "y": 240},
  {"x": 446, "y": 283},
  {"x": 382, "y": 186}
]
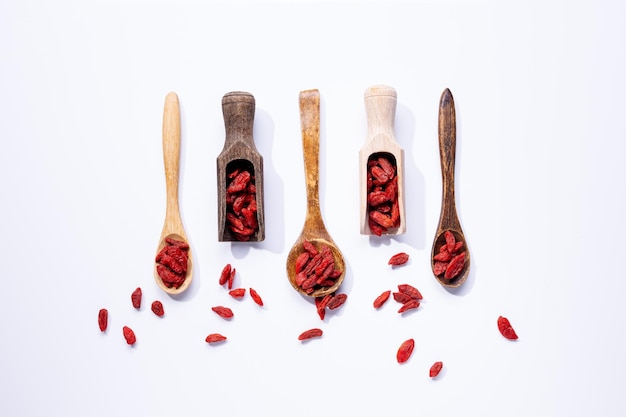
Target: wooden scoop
[
  {"x": 173, "y": 226},
  {"x": 380, "y": 106},
  {"x": 448, "y": 219},
  {"x": 239, "y": 154},
  {"x": 314, "y": 230}
]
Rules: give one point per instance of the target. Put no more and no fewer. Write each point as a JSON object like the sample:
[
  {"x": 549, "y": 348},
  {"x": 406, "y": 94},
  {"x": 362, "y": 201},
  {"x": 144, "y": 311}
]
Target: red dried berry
[
  {"x": 455, "y": 266},
  {"x": 409, "y": 305},
  {"x": 321, "y": 303},
  {"x": 410, "y": 291},
  {"x": 256, "y": 297},
  {"x": 311, "y": 333},
  {"x": 450, "y": 241},
  {"x": 129, "y": 335},
  {"x": 157, "y": 308},
  {"x": 223, "y": 312},
  {"x": 231, "y": 278},
  {"x": 401, "y": 297},
  {"x": 398, "y": 259},
  {"x": 215, "y": 338},
  {"x": 405, "y": 350},
  {"x": 382, "y": 299},
  {"x": 225, "y": 275},
  {"x": 103, "y": 319},
  {"x": 136, "y": 298},
  {"x": 337, "y": 301},
  {"x": 506, "y": 329},
  {"x": 435, "y": 369},
  {"x": 237, "y": 292}
]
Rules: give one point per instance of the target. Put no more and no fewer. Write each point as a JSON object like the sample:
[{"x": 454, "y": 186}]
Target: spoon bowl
[
  {"x": 314, "y": 229},
  {"x": 173, "y": 225},
  {"x": 448, "y": 219}
]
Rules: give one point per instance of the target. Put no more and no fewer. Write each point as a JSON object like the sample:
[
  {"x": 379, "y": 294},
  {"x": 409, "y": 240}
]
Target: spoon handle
[
  {"x": 447, "y": 153},
  {"x": 380, "y": 108},
  {"x": 171, "y": 153},
  {"x": 310, "y": 126}
]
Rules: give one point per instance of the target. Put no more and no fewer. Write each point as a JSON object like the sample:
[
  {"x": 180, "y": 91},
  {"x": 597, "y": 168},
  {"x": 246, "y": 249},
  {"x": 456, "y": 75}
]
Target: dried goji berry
[
  {"x": 136, "y": 298},
  {"x": 450, "y": 240},
  {"x": 337, "y": 301},
  {"x": 103, "y": 319},
  {"x": 382, "y": 299},
  {"x": 215, "y": 338},
  {"x": 175, "y": 242},
  {"x": 439, "y": 268},
  {"x": 401, "y": 297},
  {"x": 225, "y": 275},
  {"x": 321, "y": 303},
  {"x": 129, "y": 335},
  {"x": 223, "y": 312},
  {"x": 398, "y": 259},
  {"x": 256, "y": 297},
  {"x": 231, "y": 278},
  {"x": 157, "y": 308},
  {"x": 311, "y": 333},
  {"x": 301, "y": 261},
  {"x": 405, "y": 350},
  {"x": 237, "y": 292},
  {"x": 455, "y": 266},
  {"x": 410, "y": 290},
  {"x": 506, "y": 329},
  {"x": 435, "y": 369},
  {"x": 409, "y": 305}
]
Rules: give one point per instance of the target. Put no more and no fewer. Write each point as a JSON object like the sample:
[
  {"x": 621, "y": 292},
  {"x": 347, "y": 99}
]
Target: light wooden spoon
[
  {"x": 173, "y": 226},
  {"x": 448, "y": 219},
  {"x": 380, "y": 106},
  {"x": 313, "y": 230},
  {"x": 239, "y": 152}
]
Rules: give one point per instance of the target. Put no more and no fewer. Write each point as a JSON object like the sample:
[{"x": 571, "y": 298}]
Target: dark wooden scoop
[
  {"x": 449, "y": 219},
  {"x": 239, "y": 153}
]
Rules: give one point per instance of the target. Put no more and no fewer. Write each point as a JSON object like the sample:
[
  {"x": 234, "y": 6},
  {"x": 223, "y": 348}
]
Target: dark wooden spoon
[
  {"x": 239, "y": 152},
  {"x": 449, "y": 219}
]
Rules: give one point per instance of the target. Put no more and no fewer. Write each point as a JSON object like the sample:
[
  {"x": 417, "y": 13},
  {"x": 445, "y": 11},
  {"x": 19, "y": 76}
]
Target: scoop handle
[
  {"x": 238, "y": 109},
  {"x": 380, "y": 108}
]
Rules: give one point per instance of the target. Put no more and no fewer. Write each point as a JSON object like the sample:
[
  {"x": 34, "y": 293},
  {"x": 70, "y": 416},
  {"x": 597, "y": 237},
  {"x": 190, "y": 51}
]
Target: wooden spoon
[
  {"x": 448, "y": 219},
  {"x": 380, "y": 106},
  {"x": 314, "y": 230},
  {"x": 173, "y": 226},
  {"x": 239, "y": 152}
]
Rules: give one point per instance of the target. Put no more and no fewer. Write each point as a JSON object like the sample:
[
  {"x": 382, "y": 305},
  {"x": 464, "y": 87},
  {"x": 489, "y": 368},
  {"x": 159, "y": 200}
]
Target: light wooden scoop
[
  {"x": 314, "y": 229},
  {"x": 448, "y": 219},
  {"x": 173, "y": 225},
  {"x": 239, "y": 152},
  {"x": 380, "y": 106}
]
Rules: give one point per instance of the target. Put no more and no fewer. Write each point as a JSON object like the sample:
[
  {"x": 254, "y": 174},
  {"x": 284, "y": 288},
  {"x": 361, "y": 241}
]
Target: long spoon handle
[
  {"x": 171, "y": 153},
  {"x": 447, "y": 153},
  {"x": 310, "y": 126}
]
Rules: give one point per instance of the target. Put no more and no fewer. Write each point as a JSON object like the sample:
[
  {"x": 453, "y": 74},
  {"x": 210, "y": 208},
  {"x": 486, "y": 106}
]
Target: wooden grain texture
[
  {"x": 314, "y": 229},
  {"x": 448, "y": 219},
  {"x": 380, "y": 107},
  {"x": 173, "y": 225},
  {"x": 239, "y": 150}
]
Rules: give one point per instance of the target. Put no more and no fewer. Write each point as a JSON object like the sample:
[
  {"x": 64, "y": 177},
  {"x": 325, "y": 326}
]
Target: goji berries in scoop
[
  {"x": 450, "y": 259},
  {"x": 241, "y": 204},
  {"x": 383, "y": 208},
  {"x": 172, "y": 262},
  {"x": 315, "y": 268}
]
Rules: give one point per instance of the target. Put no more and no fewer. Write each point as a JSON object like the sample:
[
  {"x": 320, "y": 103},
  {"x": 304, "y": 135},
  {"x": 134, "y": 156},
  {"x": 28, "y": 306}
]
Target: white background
[{"x": 539, "y": 90}]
